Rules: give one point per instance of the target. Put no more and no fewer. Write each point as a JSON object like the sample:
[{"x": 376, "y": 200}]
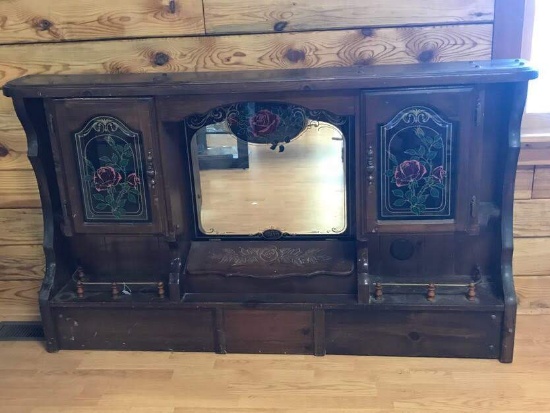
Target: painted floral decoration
[
  {"x": 114, "y": 186},
  {"x": 416, "y": 178},
  {"x": 264, "y": 122}
]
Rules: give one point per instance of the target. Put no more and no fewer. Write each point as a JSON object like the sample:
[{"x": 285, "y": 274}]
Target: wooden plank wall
[{"x": 103, "y": 36}]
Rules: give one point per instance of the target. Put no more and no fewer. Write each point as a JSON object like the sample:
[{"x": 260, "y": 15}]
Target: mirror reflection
[{"x": 269, "y": 166}]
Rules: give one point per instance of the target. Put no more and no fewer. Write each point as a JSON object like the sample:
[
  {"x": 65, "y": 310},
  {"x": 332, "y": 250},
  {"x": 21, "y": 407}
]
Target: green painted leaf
[
  {"x": 132, "y": 198},
  {"x": 105, "y": 159},
  {"x": 421, "y": 151},
  {"x": 99, "y": 197},
  {"x": 421, "y": 207},
  {"x": 422, "y": 199},
  {"x": 415, "y": 210},
  {"x": 434, "y": 192},
  {"x": 439, "y": 186},
  {"x": 399, "y": 202},
  {"x": 411, "y": 152},
  {"x": 115, "y": 158},
  {"x": 431, "y": 155},
  {"x": 109, "y": 199},
  {"x": 389, "y": 172},
  {"x": 438, "y": 144},
  {"x": 393, "y": 159},
  {"x": 408, "y": 194},
  {"x": 124, "y": 163},
  {"x": 398, "y": 193},
  {"x": 101, "y": 206},
  {"x": 414, "y": 199}
]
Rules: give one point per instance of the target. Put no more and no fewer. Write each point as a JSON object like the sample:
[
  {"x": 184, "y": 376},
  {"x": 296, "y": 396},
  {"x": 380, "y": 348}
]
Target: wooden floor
[{"x": 33, "y": 381}]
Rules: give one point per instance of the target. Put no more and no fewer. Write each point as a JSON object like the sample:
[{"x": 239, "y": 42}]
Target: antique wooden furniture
[{"x": 385, "y": 197}]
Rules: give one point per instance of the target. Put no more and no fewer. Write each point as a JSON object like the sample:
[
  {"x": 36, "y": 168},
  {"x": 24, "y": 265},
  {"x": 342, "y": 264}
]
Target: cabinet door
[
  {"x": 415, "y": 161},
  {"x": 109, "y": 170}
]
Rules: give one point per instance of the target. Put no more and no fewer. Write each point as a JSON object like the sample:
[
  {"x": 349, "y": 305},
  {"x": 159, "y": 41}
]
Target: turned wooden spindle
[
  {"x": 160, "y": 286},
  {"x": 79, "y": 289},
  {"x": 471, "y": 292},
  {"x": 378, "y": 291},
  {"x": 431, "y": 292},
  {"x": 114, "y": 290}
]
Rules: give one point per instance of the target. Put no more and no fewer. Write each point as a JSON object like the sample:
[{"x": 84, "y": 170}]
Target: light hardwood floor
[{"x": 33, "y": 381}]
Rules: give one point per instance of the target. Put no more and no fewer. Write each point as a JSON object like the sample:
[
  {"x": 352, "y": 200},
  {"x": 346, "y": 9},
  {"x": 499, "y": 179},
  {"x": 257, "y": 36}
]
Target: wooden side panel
[
  {"x": 268, "y": 51},
  {"x": 59, "y": 20},
  {"x": 401, "y": 333},
  {"x": 21, "y": 262},
  {"x": 21, "y": 226},
  {"x": 222, "y": 16},
  {"x": 258, "y": 331},
  {"x": 541, "y": 183}
]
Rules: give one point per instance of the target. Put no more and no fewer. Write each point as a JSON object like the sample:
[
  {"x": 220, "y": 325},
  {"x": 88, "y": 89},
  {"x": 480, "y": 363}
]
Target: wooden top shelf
[{"x": 342, "y": 78}]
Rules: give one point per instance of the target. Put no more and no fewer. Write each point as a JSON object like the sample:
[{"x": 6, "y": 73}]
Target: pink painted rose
[
  {"x": 105, "y": 178},
  {"x": 439, "y": 173},
  {"x": 133, "y": 180},
  {"x": 408, "y": 171},
  {"x": 264, "y": 122}
]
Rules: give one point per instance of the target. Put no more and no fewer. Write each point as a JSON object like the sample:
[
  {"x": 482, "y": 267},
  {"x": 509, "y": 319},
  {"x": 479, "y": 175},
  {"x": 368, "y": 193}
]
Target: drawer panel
[
  {"x": 404, "y": 333},
  {"x": 135, "y": 329},
  {"x": 261, "y": 331},
  {"x": 222, "y": 16}
]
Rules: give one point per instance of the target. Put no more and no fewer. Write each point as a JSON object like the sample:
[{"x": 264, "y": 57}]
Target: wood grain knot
[
  {"x": 367, "y": 32},
  {"x": 172, "y": 6},
  {"x": 4, "y": 151},
  {"x": 280, "y": 26},
  {"x": 414, "y": 336},
  {"x": 44, "y": 24},
  {"x": 160, "y": 59},
  {"x": 294, "y": 55},
  {"x": 365, "y": 62},
  {"x": 426, "y": 56}
]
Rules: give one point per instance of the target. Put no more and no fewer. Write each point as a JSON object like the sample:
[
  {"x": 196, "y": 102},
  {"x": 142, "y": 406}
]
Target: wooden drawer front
[
  {"x": 132, "y": 329},
  {"x": 259, "y": 331},
  {"x": 58, "y": 20},
  {"x": 405, "y": 333},
  {"x": 222, "y": 16}
]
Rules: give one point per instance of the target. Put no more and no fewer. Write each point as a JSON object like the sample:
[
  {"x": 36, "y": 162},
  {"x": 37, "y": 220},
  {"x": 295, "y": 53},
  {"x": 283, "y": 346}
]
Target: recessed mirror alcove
[{"x": 269, "y": 166}]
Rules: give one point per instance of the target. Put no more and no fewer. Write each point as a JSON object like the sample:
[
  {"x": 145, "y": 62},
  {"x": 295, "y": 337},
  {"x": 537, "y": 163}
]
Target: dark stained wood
[
  {"x": 259, "y": 331},
  {"x": 383, "y": 287},
  {"x": 189, "y": 330},
  {"x": 395, "y": 333},
  {"x": 340, "y": 78},
  {"x": 261, "y": 259}
]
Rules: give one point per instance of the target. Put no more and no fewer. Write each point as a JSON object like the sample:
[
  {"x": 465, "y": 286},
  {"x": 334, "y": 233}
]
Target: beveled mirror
[{"x": 269, "y": 169}]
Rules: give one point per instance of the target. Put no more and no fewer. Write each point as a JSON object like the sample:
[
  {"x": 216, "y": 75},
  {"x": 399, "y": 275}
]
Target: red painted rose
[
  {"x": 264, "y": 122},
  {"x": 133, "y": 180},
  {"x": 408, "y": 171},
  {"x": 439, "y": 173},
  {"x": 105, "y": 178}
]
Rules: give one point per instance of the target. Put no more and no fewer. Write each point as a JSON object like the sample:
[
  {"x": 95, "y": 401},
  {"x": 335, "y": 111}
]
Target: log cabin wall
[{"x": 105, "y": 36}]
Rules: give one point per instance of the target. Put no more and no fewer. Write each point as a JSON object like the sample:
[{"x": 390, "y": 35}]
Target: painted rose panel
[
  {"x": 416, "y": 151},
  {"x": 110, "y": 164}
]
